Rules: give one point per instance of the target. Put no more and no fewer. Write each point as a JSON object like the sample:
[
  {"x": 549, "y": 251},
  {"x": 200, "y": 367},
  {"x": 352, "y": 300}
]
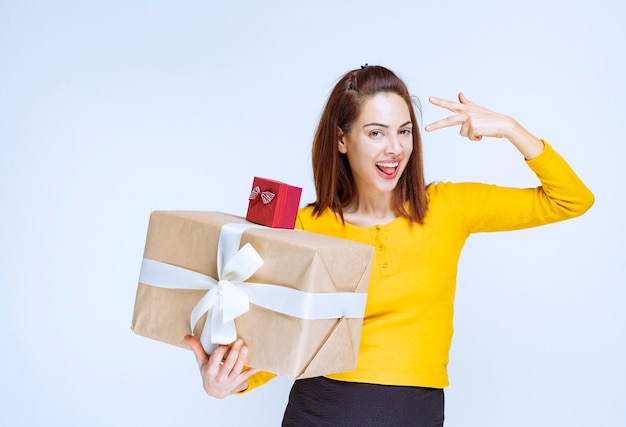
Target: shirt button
[
  {"x": 384, "y": 266},
  {"x": 380, "y": 248}
]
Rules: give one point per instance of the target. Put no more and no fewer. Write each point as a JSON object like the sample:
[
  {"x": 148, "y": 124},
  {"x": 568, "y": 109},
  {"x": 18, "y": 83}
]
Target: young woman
[{"x": 367, "y": 166}]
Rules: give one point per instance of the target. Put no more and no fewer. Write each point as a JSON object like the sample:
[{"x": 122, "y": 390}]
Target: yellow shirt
[{"x": 407, "y": 328}]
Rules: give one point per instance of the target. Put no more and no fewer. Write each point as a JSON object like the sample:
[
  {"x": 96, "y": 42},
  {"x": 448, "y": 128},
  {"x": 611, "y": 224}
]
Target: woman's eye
[
  {"x": 375, "y": 133},
  {"x": 405, "y": 131}
]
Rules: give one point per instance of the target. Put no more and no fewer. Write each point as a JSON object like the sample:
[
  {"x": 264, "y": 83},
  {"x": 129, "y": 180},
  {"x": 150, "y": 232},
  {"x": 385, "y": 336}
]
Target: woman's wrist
[{"x": 526, "y": 143}]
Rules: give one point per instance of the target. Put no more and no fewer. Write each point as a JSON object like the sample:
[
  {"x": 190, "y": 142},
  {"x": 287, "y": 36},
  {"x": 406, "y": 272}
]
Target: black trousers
[{"x": 321, "y": 402}]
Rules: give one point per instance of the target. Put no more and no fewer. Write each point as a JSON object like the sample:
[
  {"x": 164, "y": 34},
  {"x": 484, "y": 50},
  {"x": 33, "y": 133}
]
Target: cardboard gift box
[
  {"x": 273, "y": 203},
  {"x": 306, "y": 300}
]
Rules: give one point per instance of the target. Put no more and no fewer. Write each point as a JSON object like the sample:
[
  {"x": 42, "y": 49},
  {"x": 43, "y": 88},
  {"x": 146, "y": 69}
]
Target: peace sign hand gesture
[{"x": 477, "y": 121}]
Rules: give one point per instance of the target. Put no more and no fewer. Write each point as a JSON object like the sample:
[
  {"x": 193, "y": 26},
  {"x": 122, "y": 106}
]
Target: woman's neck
[{"x": 367, "y": 212}]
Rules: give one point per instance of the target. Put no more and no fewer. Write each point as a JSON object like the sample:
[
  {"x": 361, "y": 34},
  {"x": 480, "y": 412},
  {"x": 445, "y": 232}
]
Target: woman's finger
[
  {"x": 217, "y": 358},
  {"x": 464, "y": 100},
  {"x": 468, "y": 131},
  {"x": 229, "y": 361},
  {"x": 464, "y": 131},
  {"x": 241, "y": 359},
  {"x": 196, "y": 348},
  {"x": 444, "y": 123},
  {"x": 444, "y": 103}
]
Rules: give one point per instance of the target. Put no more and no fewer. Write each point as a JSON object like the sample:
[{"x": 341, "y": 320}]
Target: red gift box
[{"x": 273, "y": 203}]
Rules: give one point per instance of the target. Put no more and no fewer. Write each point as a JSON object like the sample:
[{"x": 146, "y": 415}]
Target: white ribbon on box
[{"x": 230, "y": 296}]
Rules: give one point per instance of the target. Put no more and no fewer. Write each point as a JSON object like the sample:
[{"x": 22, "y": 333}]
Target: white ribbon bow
[{"x": 225, "y": 301}]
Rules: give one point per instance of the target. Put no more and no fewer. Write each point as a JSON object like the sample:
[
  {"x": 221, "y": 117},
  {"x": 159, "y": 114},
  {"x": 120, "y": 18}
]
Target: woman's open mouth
[{"x": 388, "y": 169}]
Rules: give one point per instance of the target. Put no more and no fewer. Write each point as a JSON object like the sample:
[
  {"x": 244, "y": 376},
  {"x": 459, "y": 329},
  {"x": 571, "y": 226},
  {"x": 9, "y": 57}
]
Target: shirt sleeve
[
  {"x": 258, "y": 380},
  {"x": 561, "y": 195}
]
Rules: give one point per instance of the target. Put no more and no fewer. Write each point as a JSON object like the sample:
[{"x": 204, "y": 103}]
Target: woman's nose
[{"x": 393, "y": 145}]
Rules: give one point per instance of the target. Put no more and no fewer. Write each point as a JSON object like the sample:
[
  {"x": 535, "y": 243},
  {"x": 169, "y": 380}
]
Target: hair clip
[{"x": 363, "y": 67}]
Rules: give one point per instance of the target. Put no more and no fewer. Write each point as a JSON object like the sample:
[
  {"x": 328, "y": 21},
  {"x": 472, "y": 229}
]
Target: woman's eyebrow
[
  {"x": 376, "y": 124},
  {"x": 387, "y": 126}
]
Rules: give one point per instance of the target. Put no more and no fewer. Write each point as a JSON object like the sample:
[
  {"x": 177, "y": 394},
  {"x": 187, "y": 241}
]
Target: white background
[{"x": 109, "y": 110}]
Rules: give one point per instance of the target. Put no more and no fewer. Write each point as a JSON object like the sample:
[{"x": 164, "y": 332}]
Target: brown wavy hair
[{"x": 334, "y": 184}]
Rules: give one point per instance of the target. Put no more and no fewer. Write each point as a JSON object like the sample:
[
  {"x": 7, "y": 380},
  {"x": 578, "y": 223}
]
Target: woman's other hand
[
  {"x": 477, "y": 121},
  {"x": 223, "y": 370}
]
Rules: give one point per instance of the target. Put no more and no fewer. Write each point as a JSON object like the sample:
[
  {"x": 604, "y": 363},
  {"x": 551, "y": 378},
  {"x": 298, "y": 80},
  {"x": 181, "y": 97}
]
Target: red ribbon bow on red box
[
  {"x": 276, "y": 206},
  {"x": 266, "y": 196}
]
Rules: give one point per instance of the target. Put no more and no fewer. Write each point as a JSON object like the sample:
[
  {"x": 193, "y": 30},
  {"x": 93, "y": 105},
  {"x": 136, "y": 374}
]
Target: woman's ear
[{"x": 341, "y": 144}]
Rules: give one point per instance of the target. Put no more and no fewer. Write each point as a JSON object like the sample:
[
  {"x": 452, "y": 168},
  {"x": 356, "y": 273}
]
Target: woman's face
[{"x": 379, "y": 143}]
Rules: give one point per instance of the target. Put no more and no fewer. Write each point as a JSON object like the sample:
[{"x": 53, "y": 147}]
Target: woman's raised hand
[
  {"x": 223, "y": 370},
  {"x": 477, "y": 121}
]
